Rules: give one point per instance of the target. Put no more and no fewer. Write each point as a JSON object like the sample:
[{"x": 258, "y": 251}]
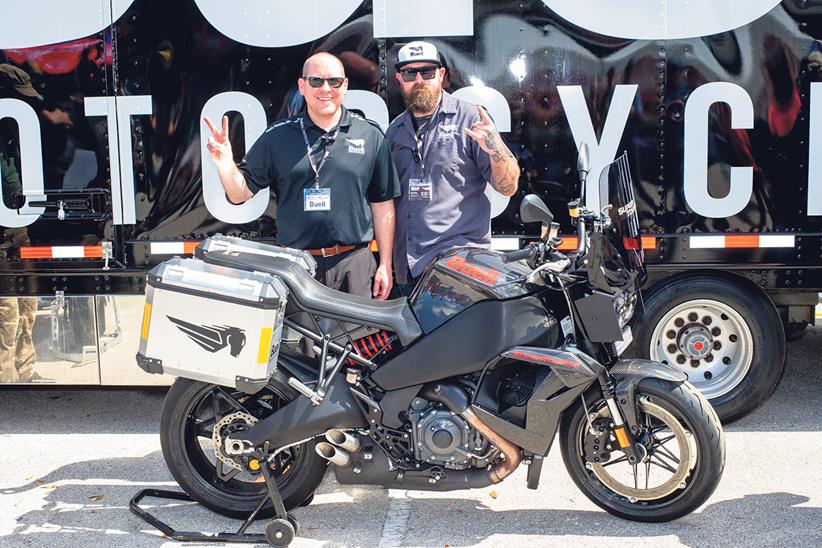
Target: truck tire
[{"x": 728, "y": 339}]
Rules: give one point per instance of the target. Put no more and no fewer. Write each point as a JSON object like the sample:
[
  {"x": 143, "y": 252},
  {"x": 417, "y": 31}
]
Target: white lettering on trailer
[
  {"x": 602, "y": 151},
  {"x": 697, "y": 113},
  {"x": 118, "y": 112},
  {"x": 255, "y": 123},
  {"x": 412, "y": 18},
  {"x": 31, "y": 163},
  {"x": 815, "y": 151},
  {"x": 41, "y": 22},
  {"x": 276, "y": 24},
  {"x": 499, "y": 110},
  {"x": 660, "y": 19}
]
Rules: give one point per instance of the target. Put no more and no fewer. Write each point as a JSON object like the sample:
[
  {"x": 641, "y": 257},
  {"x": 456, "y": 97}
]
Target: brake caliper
[{"x": 598, "y": 441}]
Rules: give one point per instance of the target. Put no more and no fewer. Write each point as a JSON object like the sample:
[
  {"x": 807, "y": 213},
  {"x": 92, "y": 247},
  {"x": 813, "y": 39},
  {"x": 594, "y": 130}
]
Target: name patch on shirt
[
  {"x": 356, "y": 146},
  {"x": 317, "y": 199}
]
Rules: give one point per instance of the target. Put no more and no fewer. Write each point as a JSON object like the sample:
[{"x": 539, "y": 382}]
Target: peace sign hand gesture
[
  {"x": 219, "y": 147},
  {"x": 485, "y": 133}
]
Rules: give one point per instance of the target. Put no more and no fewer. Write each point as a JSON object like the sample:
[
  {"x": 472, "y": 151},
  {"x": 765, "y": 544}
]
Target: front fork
[{"x": 623, "y": 414}]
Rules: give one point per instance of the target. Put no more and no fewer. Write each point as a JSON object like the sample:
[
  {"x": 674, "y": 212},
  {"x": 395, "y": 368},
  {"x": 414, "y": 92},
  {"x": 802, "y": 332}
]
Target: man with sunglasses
[
  {"x": 445, "y": 151},
  {"x": 332, "y": 173}
]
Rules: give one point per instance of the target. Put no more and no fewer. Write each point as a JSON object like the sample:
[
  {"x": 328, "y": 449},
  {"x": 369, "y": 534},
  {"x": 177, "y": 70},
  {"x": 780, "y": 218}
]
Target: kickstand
[{"x": 279, "y": 532}]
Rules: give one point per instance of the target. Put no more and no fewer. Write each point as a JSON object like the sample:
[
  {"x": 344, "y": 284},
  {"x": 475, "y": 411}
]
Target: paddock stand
[{"x": 279, "y": 532}]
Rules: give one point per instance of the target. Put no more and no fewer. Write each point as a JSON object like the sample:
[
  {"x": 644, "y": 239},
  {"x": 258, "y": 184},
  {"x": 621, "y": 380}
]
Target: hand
[
  {"x": 219, "y": 147},
  {"x": 485, "y": 133},
  {"x": 382, "y": 283}
]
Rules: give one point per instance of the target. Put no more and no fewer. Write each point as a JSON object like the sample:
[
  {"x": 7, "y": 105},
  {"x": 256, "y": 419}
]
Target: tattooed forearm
[{"x": 504, "y": 167}]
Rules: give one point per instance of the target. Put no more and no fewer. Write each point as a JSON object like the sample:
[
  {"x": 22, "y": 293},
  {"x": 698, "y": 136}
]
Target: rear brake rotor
[{"x": 230, "y": 424}]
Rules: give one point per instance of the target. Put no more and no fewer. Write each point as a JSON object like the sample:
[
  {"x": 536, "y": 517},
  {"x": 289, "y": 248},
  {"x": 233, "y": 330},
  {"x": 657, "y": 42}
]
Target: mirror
[{"x": 534, "y": 210}]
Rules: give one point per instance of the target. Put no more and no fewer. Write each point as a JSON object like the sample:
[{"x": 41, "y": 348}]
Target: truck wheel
[{"x": 728, "y": 339}]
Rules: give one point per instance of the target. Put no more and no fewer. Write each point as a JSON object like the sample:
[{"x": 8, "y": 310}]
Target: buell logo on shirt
[{"x": 356, "y": 146}]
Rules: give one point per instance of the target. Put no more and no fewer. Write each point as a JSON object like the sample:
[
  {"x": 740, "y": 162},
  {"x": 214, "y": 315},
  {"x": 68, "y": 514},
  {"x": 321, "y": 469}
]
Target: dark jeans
[
  {"x": 406, "y": 288},
  {"x": 350, "y": 272}
]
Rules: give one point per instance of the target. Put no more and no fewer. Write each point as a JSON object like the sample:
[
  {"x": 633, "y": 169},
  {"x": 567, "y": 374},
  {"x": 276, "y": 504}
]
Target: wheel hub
[
  {"x": 230, "y": 424},
  {"x": 695, "y": 341}
]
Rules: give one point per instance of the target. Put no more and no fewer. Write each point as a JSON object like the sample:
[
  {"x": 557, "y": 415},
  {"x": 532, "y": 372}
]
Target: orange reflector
[
  {"x": 146, "y": 321},
  {"x": 374, "y": 248},
  {"x": 741, "y": 241},
  {"x": 622, "y": 437},
  {"x": 648, "y": 242},
  {"x": 189, "y": 247},
  {"x": 568, "y": 242}
]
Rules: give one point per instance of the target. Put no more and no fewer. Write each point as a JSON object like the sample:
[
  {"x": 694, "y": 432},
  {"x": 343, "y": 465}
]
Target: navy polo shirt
[
  {"x": 359, "y": 171},
  {"x": 459, "y": 213}
]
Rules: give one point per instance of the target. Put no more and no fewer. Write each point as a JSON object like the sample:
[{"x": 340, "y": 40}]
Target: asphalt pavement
[{"x": 70, "y": 460}]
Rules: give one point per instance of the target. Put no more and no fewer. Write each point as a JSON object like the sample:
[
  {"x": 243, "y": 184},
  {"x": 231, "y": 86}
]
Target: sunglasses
[
  {"x": 317, "y": 82},
  {"x": 410, "y": 74}
]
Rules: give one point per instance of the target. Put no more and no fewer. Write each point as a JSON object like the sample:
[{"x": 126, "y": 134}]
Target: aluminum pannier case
[
  {"x": 212, "y": 324},
  {"x": 231, "y": 244}
]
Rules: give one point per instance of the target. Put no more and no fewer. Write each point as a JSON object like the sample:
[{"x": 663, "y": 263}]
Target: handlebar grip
[{"x": 525, "y": 253}]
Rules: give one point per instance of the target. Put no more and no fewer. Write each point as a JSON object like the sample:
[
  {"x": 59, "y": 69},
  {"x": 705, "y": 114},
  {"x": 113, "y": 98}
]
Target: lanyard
[
  {"x": 419, "y": 144},
  {"x": 328, "y": 147}
]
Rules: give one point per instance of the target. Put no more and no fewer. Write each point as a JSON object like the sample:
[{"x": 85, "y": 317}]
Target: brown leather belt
[{"x": 330, "y": 251}]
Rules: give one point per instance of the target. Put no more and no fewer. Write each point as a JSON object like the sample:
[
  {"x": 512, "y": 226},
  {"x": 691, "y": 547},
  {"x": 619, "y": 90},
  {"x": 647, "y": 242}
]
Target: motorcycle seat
[{"x": 312, "y": 296}]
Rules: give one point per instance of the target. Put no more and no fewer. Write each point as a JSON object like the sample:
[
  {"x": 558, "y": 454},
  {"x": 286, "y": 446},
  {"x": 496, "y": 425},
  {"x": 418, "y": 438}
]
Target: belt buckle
[{"x": 335, "y": 249}]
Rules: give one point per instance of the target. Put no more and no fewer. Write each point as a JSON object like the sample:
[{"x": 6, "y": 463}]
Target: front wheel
[{"x": 682, "y": 443}]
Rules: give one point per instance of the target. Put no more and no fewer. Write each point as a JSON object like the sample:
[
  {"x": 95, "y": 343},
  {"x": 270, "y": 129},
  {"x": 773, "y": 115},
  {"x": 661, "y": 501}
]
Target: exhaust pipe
[
  {"x": 331, "y": 453},
  {"x": 343, "y": 440},
  {"x": 511, "y": 453}
]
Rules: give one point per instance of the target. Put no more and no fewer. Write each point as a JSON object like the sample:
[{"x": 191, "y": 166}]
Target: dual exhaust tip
[{"x": 339, "y": 447}]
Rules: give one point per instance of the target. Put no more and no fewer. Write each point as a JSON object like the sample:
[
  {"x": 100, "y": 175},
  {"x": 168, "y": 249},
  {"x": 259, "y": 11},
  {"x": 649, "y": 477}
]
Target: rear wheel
[
  {"x": 192, "y": 411},
  {"x": 683, "y": 450},
  {"x": 728, "y": 339}
]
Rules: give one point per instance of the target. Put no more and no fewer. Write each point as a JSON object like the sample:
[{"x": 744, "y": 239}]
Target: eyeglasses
[
  {"x": 410, "y": 74},
  {"x": 317, "y": 82}
]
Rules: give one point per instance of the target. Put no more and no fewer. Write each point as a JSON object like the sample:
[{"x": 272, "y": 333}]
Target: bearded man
[{"x": 445, "y": 151}]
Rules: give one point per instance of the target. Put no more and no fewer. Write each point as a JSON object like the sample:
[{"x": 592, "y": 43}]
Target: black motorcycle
[{"x": 492, "y": 355}]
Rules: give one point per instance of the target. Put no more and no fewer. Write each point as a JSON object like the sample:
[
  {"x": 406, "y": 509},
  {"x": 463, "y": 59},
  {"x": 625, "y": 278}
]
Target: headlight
[{"x": 624, "y": 306}]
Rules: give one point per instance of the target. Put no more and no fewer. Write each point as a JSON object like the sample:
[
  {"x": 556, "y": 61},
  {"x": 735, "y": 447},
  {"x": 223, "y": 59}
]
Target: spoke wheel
[
  {"x": 680, "y": 446},
  {"x": 222, "y": 483},
  {"x": 669, "y": 458}
]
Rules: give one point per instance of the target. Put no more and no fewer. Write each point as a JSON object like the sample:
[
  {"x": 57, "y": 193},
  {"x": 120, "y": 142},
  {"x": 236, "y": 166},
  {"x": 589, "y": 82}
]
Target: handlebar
[{"x": 519, "y": 254}]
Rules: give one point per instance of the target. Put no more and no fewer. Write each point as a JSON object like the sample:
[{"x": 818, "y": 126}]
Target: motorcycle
[{"x": 493, "y": 354}]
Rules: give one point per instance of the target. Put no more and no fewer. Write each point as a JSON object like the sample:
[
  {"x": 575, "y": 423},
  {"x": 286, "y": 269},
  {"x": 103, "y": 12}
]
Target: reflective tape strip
[
  {"x": 707, "y": 242},
  {"x": 505, "y": 243},
  {"x": 777, "y": 240},
  {"x": 742, "y": 241},
  {"x": 173, "y": 248},
  {"x": 62, "y": 252}
]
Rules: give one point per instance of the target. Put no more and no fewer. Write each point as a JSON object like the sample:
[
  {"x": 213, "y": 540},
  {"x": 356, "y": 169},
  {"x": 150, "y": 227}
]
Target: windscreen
[{"x": 616, "y": 188}]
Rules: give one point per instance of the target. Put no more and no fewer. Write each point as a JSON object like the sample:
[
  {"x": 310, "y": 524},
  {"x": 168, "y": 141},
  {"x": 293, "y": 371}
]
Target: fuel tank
[{"x": 462, "y": 277}]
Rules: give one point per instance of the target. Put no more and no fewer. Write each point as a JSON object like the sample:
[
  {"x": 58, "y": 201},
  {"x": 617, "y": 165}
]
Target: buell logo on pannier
[{"x": 213, "y": 337}]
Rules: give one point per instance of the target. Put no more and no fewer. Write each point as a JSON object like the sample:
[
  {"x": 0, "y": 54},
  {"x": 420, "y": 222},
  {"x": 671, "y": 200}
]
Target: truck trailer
[{"x": 717, "y": 104}]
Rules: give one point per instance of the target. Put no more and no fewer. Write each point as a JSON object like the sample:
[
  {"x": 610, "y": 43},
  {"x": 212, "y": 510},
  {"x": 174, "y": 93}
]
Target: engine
[{"x": 444, "y": 438}]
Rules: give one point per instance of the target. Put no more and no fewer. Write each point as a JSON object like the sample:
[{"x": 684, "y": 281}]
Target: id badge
[
  {"x": 317, "y": 199},
  {"x": 419, "y": 190}
]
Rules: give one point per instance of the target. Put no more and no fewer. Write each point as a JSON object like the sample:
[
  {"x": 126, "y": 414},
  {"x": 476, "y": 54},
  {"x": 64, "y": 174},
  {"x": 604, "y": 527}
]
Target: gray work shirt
[{"x": 458, "y": 213}]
